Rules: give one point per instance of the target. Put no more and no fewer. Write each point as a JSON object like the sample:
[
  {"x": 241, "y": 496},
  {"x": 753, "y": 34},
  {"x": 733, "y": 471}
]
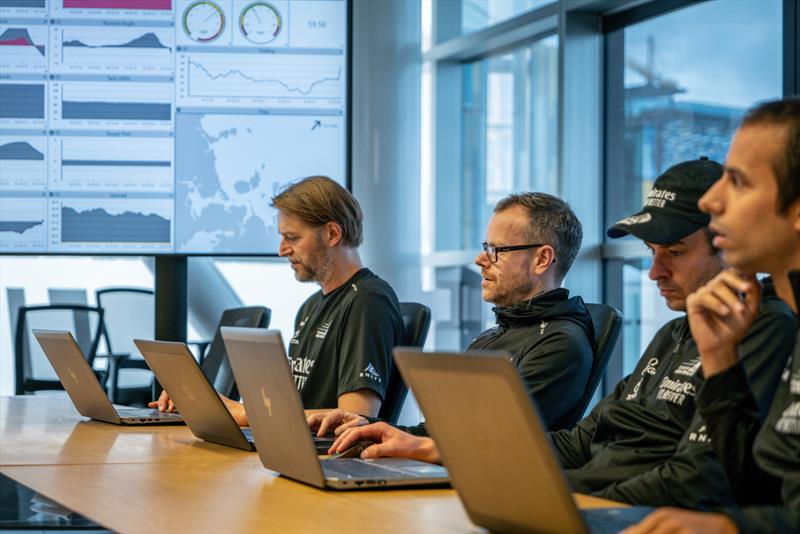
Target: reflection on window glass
[
  {"x": 689, "y": 77},
  {"x": 478, "y": 14},
  {"x": 508, "y": 137}
]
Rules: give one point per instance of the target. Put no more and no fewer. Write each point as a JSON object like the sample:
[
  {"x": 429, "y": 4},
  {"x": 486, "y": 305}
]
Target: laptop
[
  {"x": 493, "y": 443},
  {"x": 273, "y": 404},
  {"x": 196, "y": 399},
  {"x": 85, "y": 390}
]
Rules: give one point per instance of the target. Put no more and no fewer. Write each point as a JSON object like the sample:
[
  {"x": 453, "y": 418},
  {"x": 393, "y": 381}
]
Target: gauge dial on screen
[
  {"x": 260, "y": 22},
  {"x": 203, "y": 21}
]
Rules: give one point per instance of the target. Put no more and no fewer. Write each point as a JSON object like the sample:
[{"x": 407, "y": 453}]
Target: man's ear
[
  {"x": 544, "y": 259},
  {"x": 333, "y": 233},
  {"x": 794, "y": 215}
]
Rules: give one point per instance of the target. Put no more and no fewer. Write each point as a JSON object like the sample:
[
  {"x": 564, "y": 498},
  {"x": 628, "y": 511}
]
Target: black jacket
[
  {"x": 645, "y": 443},
  {"x": 550, "y": 339},
  {"x": 762, "y": 462}
]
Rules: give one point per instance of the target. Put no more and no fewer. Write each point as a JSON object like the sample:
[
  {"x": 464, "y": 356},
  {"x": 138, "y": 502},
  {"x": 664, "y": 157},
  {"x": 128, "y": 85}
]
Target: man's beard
[{"x": 317, "y": 268}]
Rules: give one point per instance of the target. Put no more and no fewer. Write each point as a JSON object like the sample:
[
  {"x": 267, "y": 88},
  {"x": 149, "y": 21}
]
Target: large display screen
[{"x": 164, "y": 126}]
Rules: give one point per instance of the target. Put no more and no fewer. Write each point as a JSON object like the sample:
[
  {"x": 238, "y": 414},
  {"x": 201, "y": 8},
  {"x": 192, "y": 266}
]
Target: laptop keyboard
[
  {"x": 142, "y": 412},
  {"x": 353, "y": 468}
]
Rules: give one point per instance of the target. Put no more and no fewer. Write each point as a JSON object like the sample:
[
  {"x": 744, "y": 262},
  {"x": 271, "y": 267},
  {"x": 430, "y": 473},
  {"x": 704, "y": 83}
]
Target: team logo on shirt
[
  {"x": 649, "y": 369},
  {"x": 700, "y": 435},
  {"x": 370, "y": 372},
  {"x": 322, "y": 331},
  {"x": 294, "y": 340},
  {"x": 542, "y": 326},
  {"x": 301, "y": 368},
  {"x": 789, "y": 423},
  {"x": 688, "y": 368},
  {"x": 675, "y": 391}
]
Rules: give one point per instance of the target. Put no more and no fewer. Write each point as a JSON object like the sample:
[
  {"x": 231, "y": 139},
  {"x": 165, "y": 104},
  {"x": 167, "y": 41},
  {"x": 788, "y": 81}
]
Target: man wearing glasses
[
  {"x": 531, "y": 241},
  {"x": 645, "y": 443}
]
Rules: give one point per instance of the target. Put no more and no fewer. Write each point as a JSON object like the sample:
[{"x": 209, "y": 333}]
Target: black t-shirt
[{"x": 343, "y": 340}]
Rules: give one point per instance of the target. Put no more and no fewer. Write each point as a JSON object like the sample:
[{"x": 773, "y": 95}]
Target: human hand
[
  {"x": 236, "y": 409},
  {"x": 389, "y": 441},
  {"x": 338, "y": 420},
  {"x": 164, "y": 403},
  {"x": 678, "y": 521},
  {"x": 720, "y": 313}
]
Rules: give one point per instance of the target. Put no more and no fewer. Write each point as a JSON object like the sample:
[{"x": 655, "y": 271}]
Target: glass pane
[
  {"x": 689, "y": 76},
  {"x": 508, "y": 138},
  {"x": 478, "y": 14}
]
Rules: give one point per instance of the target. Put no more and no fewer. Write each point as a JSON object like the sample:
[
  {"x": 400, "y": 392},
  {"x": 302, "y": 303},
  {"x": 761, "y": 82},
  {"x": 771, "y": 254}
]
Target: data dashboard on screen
[{"x": 164, "y": 126}]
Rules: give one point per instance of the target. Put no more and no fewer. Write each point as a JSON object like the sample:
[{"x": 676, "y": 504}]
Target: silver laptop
[
  {"x": 262, "y": 372},
  {"x": 477, "y": 408},
  {"x": 196, "y": 399},
  {"x": 85, "y": 390}
]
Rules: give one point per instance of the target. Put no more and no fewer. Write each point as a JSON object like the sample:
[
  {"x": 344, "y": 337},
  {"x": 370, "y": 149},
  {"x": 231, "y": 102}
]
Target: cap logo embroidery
[
  {"x": 642, "y": 218},
  {"x": 658, "y": 198}
]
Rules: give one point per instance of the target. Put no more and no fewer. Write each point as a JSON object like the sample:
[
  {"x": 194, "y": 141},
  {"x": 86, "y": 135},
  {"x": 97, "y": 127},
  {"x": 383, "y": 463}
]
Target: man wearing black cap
[{"x": 645, "y": 443}]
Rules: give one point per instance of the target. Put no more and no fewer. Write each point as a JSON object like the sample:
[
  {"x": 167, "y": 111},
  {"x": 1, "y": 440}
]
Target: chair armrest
[{"x": 202, "y": 346}]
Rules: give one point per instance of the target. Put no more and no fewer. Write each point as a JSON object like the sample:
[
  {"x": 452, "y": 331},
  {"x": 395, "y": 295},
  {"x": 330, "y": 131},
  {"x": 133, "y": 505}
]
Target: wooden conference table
[{"x": 160, "y": 479}]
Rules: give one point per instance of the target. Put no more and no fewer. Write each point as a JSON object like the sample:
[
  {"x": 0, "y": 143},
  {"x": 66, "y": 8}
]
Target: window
[
  {"x": 478, "y": 14},
  {"x": 685, "y": 80}
]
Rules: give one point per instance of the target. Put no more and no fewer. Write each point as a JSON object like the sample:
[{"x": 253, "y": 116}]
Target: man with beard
[
  {"x": 344, "y": 333},
  {"x": 531, "y": 241}
]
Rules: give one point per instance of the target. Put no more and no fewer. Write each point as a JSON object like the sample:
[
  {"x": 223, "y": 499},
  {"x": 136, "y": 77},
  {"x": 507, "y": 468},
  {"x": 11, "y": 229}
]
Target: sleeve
[
  {"x": 373, "y": 328},
  {"x": 555, "y": 372},
  {"x": 693, "y": 477},
  {"x": 573, "y": 446},
  {"x": 730, "y": 408}
]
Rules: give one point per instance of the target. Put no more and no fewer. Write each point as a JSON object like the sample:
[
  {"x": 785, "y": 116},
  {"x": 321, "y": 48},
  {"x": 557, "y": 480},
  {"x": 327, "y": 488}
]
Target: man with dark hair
[
  {"x": 531, "y": 241},
  {"x": 755, "y": 210},
  {"x": 341, "y": 348},
  {"x": 645, "y": 443}
]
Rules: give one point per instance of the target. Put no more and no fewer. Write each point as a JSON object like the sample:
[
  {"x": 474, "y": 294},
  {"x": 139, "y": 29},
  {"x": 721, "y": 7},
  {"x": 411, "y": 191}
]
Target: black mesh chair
[
  {"x": 416, "y": 322},
  {"x": 129, "y": 313},
  {"x": 215, "y": 364},
  {"x": 33, "y": 371},
  {"x": 607, "y": 322}
]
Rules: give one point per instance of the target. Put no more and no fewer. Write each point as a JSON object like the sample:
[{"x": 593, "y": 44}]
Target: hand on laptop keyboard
[
  {"x": 164, "y": 403},
  {"x": 389, "y": 442},
  {"x": 335, "y": 421}
]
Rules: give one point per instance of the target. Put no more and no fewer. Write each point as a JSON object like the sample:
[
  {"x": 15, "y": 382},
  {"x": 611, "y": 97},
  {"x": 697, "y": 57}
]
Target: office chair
[
  {"x": 416, "y": 322},
  {"x": 33, "y": 371},
  {"x": 215, "y": 365},
  {"x": 129, "y": 313},
  {"x": 607, "y": 322}
]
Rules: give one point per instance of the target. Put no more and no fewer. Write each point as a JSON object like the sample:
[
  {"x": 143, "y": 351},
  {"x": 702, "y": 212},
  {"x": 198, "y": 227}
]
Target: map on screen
[{"x": 164, "y": 126}]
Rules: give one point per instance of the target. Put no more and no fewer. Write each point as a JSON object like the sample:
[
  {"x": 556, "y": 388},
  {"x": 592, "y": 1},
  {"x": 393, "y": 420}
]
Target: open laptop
[
  {"x": 196, "y": 399},
  {"x": 262, "y": 372},
  {"x": 492, "y": 441},
  {"x": 85, "y": 390}
]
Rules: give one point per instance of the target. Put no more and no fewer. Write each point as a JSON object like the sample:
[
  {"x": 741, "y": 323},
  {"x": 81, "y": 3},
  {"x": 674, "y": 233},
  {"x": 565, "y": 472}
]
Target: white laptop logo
[
  {"x": 72, "y": 374},
  {"x": 187, "y": 392},
  {"x": 267, "y": 402}
]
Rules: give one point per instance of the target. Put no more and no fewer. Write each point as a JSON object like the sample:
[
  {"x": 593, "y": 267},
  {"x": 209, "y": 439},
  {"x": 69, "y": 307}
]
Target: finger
[
  {"x": 378, "y": 450},
  {"x": 170, "y": 406},
  {"x": 314, "y": 420},
  {"x": 152, "y": 404},
  {"x": 344, "y": 441},
  {"x": 359, "y": 421}
]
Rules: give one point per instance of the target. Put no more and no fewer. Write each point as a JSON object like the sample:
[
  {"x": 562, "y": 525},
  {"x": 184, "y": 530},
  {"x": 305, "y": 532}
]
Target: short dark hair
[
  {"x": 785, "y": 113},
  {"x": 318, "y": 200},
  {"x": 553, "y": 222}
]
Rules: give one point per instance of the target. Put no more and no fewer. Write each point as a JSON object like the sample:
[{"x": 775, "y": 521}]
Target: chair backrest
[
  {"x": 216, "y": 365},
  {"x": 607, "y": 322},
  {"x": 82, "y": 334},
  {"x": 416, "y": 322},
  {"x": 129, "y": 313},
  {"x": 33, "y": 371}
]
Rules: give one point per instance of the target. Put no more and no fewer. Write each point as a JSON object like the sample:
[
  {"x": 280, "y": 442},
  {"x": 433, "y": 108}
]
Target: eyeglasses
[{"x": 491, "y": 251}]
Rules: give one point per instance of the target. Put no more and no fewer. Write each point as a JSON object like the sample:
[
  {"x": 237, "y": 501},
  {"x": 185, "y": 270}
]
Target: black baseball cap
[{"x": 670, "y": 210}]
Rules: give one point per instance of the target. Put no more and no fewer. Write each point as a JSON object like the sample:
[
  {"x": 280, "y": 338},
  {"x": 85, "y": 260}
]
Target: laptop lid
[
  {"x": 76, "y": 375},
  {"x": 274, "y": 407},
  {"x": 492, "y": 440},
  {"x": 195, "y": 398}
]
